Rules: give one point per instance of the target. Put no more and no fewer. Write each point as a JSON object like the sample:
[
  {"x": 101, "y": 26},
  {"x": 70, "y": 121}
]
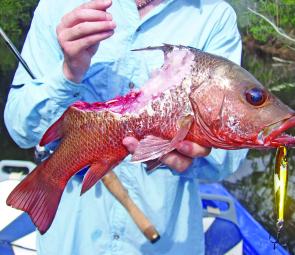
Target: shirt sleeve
[
  {"x": 224, "y": 40},
  {"x": 33, "y": 107}
]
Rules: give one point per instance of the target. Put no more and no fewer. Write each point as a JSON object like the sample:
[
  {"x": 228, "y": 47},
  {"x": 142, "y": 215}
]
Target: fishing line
[{"x": 22, "y": 247}]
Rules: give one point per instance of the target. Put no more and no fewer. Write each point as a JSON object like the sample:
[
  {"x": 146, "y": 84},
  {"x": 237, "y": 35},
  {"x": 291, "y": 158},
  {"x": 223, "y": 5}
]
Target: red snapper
[{"x": 197, "y": 96}]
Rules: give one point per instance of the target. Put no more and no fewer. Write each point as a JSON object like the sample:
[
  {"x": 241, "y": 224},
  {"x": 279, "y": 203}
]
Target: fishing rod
[
  {"x": 16, "y": 53},
  {"x": 40, "y": 153}
]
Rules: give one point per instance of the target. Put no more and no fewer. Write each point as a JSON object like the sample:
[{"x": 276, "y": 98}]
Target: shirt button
[
  {"x": 131, "y": 85},
  {"x": 116, "y": 237}
]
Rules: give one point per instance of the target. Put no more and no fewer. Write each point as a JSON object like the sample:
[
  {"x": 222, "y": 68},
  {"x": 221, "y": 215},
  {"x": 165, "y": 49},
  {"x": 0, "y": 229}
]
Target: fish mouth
[{"x": 274, "y": 135}]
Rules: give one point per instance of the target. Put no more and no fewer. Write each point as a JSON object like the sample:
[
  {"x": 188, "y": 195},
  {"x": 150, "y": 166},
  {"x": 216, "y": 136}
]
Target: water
[{"x": 252, "y": 184}]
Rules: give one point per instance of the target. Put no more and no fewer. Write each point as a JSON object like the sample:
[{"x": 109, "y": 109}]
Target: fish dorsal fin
[
  {"x": 93, "y": 175},
  {"x": 52, "y": 134},
  {"x": 56, "y": 130},
  {"x": 166, "y": 48},
  {"x": 152, "y": 147}
]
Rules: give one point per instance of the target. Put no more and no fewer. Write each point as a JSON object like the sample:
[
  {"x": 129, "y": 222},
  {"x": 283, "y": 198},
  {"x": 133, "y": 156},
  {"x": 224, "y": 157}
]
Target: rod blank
[{"x": 16, "y": 53}]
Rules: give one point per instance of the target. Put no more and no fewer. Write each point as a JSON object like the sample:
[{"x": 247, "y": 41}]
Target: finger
[
  {"x": 82, "y": 15},
  {"x": 192, "y": 150},
  {"x": 84, "y": 29},
  {"x": 177, "y": 161},
  {"x": 96, "y": 4},
  {"x": 130, "y": 143},
  {"x": 75, "y": 47}
]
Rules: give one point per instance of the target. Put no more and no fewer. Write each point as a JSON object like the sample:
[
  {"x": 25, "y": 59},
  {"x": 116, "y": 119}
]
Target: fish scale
[{"x": 195, "y": 95}]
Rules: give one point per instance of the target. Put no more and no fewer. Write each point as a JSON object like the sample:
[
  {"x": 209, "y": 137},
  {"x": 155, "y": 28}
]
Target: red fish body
[{"x": 196, "y": 96}]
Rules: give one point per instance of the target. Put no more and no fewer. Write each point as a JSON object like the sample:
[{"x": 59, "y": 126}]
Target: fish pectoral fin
[
  {"x": 149, "y": 148},
  {"x": 152, "y": 147},
  {"x": 93, "y": 175}
]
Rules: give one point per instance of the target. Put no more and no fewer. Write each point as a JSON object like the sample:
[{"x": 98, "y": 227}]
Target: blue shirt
[{"x": 96, "y": 223}]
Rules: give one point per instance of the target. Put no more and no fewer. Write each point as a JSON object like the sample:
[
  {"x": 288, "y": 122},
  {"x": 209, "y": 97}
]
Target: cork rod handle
[{"x": 114, "y": 185}]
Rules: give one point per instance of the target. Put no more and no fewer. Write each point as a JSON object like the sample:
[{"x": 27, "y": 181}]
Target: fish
[{"x": 194, "y": 95}]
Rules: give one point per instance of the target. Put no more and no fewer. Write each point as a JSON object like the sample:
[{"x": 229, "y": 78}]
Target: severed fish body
[{"x": 196, "y": 96}]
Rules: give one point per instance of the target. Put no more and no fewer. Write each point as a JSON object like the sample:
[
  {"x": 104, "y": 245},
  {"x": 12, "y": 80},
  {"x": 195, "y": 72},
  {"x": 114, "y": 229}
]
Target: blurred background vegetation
[
  {"x": 15, "y": 18},
  {"x": 266, "y": 54}
]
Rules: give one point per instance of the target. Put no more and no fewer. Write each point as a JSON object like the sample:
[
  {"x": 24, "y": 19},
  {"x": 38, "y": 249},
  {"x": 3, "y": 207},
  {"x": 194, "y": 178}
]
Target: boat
[
  {"x": 17, "y": 232},
  {"x": 228, "y": 227}
]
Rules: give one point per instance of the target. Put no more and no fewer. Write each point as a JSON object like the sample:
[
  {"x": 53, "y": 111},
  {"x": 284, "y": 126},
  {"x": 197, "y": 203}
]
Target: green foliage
[
  {"x": 280, "y": 79},
  {"x": 281, "y": 13},
  {"x": 283, "y": 86},
  {"x": 15, "y": 18}
]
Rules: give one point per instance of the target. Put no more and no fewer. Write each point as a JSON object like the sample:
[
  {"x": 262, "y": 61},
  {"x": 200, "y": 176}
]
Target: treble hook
[{"x": 277, "y": 241}]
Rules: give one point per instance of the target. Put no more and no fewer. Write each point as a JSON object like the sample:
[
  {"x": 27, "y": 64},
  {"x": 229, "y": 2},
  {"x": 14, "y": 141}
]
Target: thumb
[{"x": 130, "y": 143}]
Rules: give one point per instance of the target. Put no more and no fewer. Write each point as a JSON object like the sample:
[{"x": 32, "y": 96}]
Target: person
[{"x": 81, "y": 50}]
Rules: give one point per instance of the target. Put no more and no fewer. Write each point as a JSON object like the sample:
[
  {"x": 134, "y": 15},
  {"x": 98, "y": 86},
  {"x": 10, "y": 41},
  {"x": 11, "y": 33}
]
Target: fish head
[{"x": 234, "y": 110}]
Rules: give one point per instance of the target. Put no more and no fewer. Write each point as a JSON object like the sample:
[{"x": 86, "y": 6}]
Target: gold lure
[{"x": 280, "y": 184}]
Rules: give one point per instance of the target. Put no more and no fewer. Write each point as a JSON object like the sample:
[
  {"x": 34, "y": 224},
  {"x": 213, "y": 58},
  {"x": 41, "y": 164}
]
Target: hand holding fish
[
  {"x": 79, "y": 34},
  {"x": 181, "y": 158}
]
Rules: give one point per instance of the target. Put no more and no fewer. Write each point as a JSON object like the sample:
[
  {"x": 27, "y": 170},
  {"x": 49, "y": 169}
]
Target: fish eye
[{"x": 255, "y": 96}]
